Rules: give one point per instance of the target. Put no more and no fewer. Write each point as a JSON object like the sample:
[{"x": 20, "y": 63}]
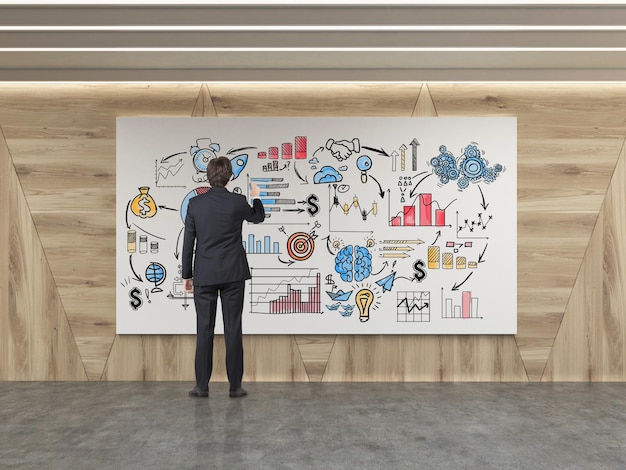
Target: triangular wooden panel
[
  {"x": 204, "y": 105},
  {"x": 38, "y": 343},
  {"x": 425, "y": 107},
  {"x": 315, "y": 351},
  {"x": 591, "y": 342}
]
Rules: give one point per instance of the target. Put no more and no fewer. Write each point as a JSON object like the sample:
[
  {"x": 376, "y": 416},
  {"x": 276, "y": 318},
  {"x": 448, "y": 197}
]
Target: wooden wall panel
[
  {"x": 62, "y": 139},
  {"x": 171, "y": 358},
  {"x": 569, "y": 138},
  {"x": 62, "y": 142},
  {"x": 309, "y": 100},
  {"x": 6, "y": 168},
  {"x": 38, "y": 343},
  {"x": 151, "y": 358},
  {"x": 591, "y": 342},
  {"x": 425, "y": 359}
]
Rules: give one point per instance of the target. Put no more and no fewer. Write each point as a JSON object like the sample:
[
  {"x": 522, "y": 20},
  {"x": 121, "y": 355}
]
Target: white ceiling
[{"x": 356, "y": 42}]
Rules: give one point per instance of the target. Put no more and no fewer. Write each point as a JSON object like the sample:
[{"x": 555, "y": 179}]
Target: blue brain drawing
[
  {"x": 361, "y": 264},
  {"x": 343, "y": 263}
]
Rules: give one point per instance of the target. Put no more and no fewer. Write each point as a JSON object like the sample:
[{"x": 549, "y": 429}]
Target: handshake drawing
[{"x": 342, "y": 149}]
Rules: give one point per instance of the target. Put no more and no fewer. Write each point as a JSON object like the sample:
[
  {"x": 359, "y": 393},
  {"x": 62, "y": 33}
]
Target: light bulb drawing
[
  {"x": 363, "y": 300},
  {"x": 364, "y": 163}
]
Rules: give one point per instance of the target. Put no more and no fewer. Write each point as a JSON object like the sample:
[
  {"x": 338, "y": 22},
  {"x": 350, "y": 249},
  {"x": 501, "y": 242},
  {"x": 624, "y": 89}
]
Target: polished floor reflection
[{"x": 137, "y": 425}]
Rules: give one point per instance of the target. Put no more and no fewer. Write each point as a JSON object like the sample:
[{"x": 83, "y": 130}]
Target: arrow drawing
[
  {"x": 480, "y": 258},
  {"x": 456, "y": 286},
  {"x": 483, "y": 196},
  {"x": 414, "y": 145},
  {"x": 136, "y": 276},
  {"x": 378, "y": 151}
]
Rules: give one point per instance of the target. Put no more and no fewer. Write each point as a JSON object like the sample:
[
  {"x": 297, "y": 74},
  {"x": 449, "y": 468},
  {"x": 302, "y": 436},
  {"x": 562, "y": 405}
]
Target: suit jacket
[{"x": 213, "y": 224}]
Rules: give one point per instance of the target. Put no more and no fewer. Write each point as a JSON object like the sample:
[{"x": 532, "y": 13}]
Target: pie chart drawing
[{"x": 185, "y": 203}]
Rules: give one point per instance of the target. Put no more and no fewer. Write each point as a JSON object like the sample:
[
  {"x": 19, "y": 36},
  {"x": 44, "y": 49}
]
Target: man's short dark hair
[{"x": 219, "y": 171}]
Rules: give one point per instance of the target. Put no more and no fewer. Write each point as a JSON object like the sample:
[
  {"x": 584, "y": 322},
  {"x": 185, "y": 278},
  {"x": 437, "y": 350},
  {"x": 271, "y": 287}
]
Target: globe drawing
[{"x": 155, "y": 273}]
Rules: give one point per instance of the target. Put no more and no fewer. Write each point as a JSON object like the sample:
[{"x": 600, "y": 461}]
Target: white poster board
[{"x": 374, "y": 225}]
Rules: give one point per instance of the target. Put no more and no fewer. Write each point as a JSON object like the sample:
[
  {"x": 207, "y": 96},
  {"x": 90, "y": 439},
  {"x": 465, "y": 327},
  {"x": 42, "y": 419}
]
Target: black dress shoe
[
  {"x": 197, "y": 392},
  {"x": 238, "y": 393}
]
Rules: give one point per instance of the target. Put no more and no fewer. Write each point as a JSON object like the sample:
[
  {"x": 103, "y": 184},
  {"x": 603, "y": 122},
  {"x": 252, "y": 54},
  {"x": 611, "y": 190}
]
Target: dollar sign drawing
[
  {"x": 329, "y": 280},
  {"x": 419, "y": 274},
  {"x": 313, "y": 208},
  {"x": 143, "y": 204},
  {"x": 135, "y": 296}
]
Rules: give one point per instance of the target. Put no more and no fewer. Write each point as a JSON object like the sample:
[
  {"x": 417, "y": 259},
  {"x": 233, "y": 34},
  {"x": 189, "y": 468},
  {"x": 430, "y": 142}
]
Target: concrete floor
[{"x": 135, "y": 425}]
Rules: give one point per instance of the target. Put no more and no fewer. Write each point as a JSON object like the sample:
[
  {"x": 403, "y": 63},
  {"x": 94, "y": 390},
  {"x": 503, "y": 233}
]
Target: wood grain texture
[
  {"x": 569, "y": 138},
  {"x": 315, "y": 351},
  {"x": 151, "y": 358},
  {"x": 591, "y": 342},
  {"x": 424, "y": 107},
  {"x": 309, "y": 100},
  {"x": 171, "y": 358},
  {"x": 204, "y": 104},
  {"x": 62, "y": 143},
  {"x": 62, "y": 139},
  {"x": 6, "y": 167},
  {"x": 425, "y": 359},
  {"x": 38, "y": 342}
]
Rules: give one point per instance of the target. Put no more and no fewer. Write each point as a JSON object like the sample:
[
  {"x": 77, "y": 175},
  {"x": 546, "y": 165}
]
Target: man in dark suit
[{"x": 220, "y": 267}]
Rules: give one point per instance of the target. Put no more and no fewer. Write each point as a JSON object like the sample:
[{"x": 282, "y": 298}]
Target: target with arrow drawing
[{"x": 300, "y": 246}]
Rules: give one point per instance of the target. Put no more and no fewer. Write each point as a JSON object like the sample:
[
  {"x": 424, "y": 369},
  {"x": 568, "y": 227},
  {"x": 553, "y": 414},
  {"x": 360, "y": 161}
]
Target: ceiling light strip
[
  {"x": 315, "y": 28},
  {"x": 312, "y": 49}
]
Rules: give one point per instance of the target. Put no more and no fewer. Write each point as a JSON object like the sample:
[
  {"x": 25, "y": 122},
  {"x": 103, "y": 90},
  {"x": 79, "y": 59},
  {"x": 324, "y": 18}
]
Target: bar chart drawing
[
  {"x": 413, "y": 306},
  {"x": 286, "y": 150},
  {"x": 285, "y": 291},
  {"x": 270, "y": 196},
  {"x": 261, "y": 247},
  {"x": 447, "y": 260},
  {"x": 422, "y": 214},
  {"x": 468, "y": 308}
]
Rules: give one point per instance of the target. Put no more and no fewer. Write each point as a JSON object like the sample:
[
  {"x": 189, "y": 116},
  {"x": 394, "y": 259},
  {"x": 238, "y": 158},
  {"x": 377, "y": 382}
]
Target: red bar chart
[
  {"x": 468, "y": 308},
  {"x": 424, "y": 211},
  {"x": 286, "y": 150},
  {"x": 273, "y": 291}
]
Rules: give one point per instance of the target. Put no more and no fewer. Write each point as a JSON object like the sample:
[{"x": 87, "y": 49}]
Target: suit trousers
[{"x": 205, "y": 298}]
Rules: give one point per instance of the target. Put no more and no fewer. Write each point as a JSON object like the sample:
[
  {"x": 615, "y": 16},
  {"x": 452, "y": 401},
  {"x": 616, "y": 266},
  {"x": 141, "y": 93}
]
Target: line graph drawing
[
  {"x": 164, "y": 172},
  {"x": 272, "y": 291},
  {"x": 413, "y": 306}
]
